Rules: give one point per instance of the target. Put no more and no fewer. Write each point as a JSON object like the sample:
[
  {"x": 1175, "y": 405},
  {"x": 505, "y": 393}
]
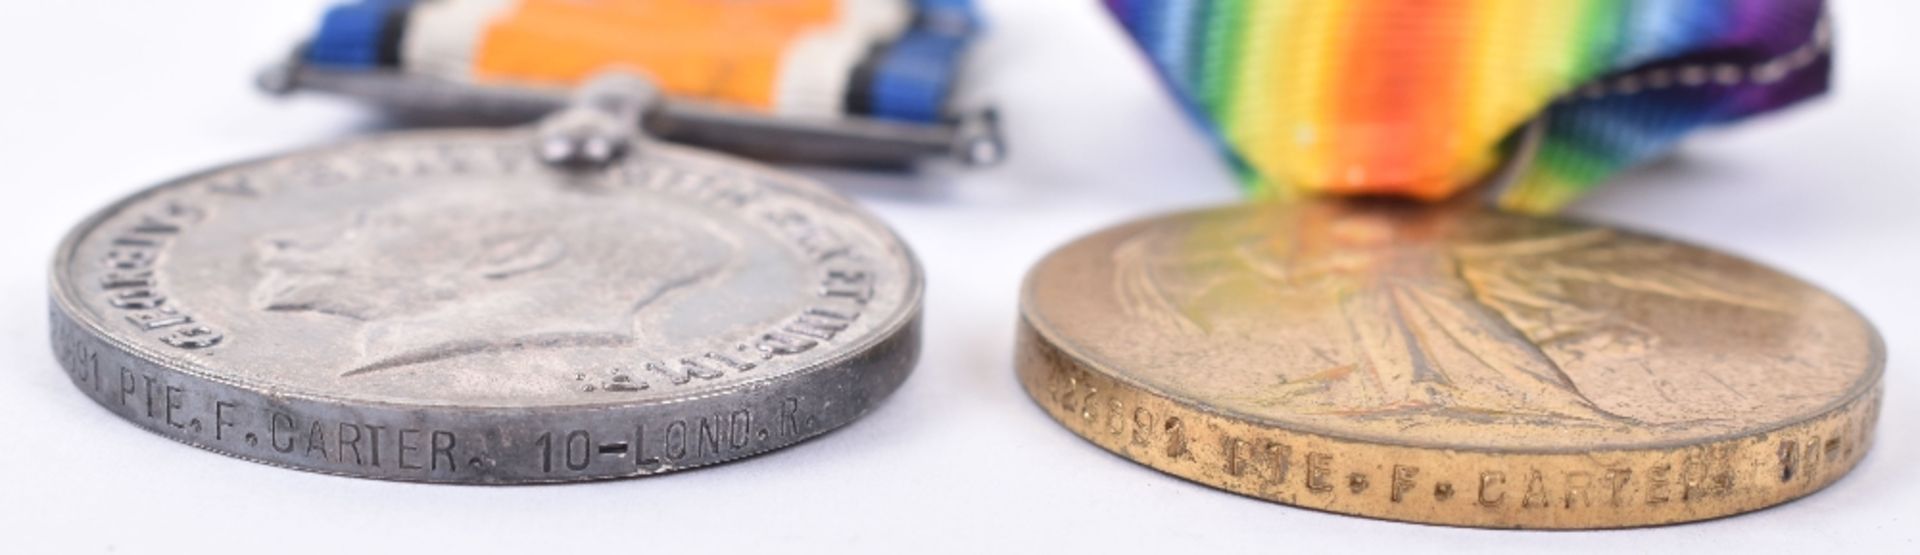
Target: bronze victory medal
[{"x": 1450, "y": 365}]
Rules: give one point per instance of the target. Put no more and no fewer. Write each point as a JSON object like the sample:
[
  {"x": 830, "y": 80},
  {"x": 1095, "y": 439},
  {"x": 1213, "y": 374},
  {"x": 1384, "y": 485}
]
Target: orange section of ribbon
[{"x": 724, "y": 51}]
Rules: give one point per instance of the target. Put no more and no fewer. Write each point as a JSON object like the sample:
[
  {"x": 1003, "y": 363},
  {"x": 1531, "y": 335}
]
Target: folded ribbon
[{"x": 1415, "y": 98}]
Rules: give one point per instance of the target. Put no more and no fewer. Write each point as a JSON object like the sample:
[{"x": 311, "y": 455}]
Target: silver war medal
[{"x": 570, "y": 301}]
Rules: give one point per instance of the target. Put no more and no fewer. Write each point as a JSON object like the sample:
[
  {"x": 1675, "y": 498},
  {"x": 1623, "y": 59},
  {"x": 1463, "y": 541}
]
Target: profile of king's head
[{"x": 455, "y": 272}]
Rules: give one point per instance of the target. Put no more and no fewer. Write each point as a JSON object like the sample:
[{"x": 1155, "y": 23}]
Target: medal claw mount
[
  {"x": 971, "y": 138},
  {"x": 597, "y": 128}
]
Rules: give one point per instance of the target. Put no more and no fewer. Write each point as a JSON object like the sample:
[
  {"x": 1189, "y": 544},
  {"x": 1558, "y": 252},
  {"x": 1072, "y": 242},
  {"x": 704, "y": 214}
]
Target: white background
[{"x": 98, "y": 98}]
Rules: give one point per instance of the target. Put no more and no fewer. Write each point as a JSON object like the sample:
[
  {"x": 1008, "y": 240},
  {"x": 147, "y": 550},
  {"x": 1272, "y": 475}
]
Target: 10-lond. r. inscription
[
  {"x": 400, "y": 446},
  {"x": 1298, "y": 468}
]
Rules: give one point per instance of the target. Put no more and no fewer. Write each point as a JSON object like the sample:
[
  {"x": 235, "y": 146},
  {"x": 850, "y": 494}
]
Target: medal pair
[{"x": 587, "y": 295}]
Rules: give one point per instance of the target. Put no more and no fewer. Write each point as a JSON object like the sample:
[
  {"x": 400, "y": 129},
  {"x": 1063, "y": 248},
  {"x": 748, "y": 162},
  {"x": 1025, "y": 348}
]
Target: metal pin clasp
[
  {"x": 971, "y": 137},
  {"x": 600, "y": 124}
]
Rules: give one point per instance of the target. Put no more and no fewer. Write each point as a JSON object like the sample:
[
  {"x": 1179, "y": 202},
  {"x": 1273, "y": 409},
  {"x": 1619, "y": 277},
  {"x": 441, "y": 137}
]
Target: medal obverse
[
  {"x": 1450, "y": 365},
  {"x": 447, "y": 307}
]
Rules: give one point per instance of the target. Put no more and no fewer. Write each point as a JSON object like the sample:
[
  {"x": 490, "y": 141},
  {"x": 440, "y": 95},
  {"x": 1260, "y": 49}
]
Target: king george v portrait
[{"x": 446, "y": 274}]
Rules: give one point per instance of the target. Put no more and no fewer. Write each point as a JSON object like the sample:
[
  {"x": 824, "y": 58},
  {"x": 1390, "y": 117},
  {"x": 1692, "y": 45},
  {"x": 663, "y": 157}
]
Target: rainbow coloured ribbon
[{"x": 1414, "y": 98}]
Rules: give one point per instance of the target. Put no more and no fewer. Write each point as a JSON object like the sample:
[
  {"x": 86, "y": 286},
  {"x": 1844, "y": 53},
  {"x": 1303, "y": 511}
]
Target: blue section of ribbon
[
  {"x": 350, "y": 33},
  {"x": 915, "y": 76}
]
